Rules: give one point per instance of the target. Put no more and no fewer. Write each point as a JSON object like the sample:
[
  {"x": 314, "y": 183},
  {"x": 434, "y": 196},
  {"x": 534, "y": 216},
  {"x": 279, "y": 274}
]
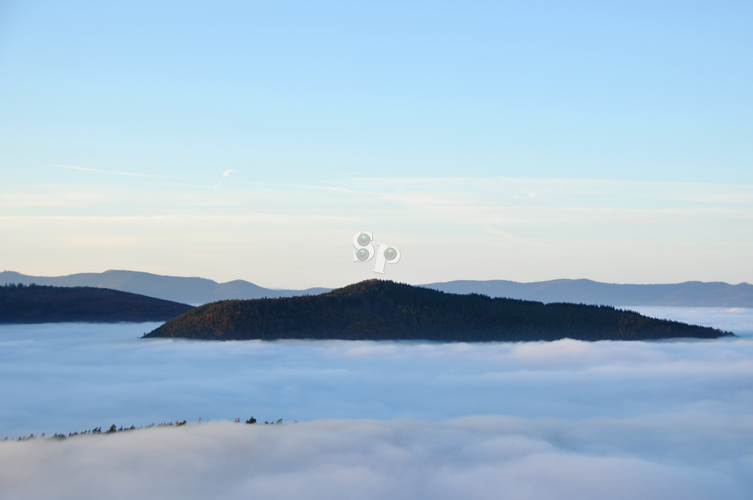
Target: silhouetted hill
[
  {"x": 688, "y": 294},
  {"x": 186, "y": 290},
  {"x": 46, "y": 304},
  {"x": 384, "y": 310}
]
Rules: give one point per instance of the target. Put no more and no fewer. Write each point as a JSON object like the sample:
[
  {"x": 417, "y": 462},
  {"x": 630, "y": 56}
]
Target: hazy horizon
[
  {"x": 307, "y": 243},
  {"x": 366, "y": 277}
]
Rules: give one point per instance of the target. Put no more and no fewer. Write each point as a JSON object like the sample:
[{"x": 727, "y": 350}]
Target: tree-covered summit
[
  {"x": 50, "y": 304},
  {"x": 385, "y": 310}
]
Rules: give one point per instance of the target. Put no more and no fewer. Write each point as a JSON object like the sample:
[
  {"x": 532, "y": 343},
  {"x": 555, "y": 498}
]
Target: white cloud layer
[
  {"x": 731, "y": 319},
  {"x": 472, "y": 458},
  {"x": 567, "y": 419},
  {"x": 63, "y": 378}
]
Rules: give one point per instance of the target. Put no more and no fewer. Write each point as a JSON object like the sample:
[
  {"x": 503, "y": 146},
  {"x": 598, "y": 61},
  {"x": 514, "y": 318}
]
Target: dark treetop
[
  {"x": 47, "y": 304},
  {"x": 384, "y": 310}
]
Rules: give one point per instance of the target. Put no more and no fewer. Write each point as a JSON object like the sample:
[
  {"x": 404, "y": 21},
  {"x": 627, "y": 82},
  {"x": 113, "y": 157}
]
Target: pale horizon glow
[{"x": 298, "y": 236}]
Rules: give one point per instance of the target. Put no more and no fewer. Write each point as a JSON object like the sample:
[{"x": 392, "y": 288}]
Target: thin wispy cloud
[
  {"x": 109, "y": 172},
  {"x": 102, "y": 218},
  {"x": 604, "y": 230},
  {"x": 225, "y": 174}
]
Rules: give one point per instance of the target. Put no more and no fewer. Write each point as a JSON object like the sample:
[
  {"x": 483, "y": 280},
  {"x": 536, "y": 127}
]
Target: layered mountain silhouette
[
  {"x": 688, "y": 294},
  {"x": 194, "y": 291},
  {"x": 47, "y": 304},
  {"x": 384, "y": 310},
  {"x": 199, "y": 291}
]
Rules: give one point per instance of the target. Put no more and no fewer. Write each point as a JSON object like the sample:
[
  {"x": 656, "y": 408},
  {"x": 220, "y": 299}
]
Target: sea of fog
[{"x": 538, "y": 420}]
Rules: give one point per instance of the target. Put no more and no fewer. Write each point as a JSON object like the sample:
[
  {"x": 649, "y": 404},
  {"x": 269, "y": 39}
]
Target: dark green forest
[
  {"x": 384, "y": 310},
  {"x": 49, "y": 304}
]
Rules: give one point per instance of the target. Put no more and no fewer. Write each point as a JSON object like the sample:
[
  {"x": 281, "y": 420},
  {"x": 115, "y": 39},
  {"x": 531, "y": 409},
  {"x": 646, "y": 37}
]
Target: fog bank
[
  {"x": 64, "y": 378},
  {"x": 683, "y": 457},
  {"x": 558, "y": 420}
]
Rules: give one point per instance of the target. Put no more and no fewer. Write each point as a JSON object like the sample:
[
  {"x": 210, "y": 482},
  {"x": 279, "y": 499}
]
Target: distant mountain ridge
[
  {"x": 688, "y": 294},
  {"x": 195, "y": 291}
]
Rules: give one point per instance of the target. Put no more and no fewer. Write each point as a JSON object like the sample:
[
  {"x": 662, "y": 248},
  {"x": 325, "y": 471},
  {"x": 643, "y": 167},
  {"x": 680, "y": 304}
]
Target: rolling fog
[{"x": 564, "y": 419}]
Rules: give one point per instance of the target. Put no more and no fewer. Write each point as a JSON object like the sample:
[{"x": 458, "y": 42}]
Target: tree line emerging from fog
[
  {"x": 115, "y": 429},
  {"x": 384, "y": 310}
]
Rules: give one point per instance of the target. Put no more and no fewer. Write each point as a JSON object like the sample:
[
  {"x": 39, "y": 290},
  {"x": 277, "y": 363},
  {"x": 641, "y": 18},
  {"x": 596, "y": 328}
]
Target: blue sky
[{"x": 386, "y": 101}]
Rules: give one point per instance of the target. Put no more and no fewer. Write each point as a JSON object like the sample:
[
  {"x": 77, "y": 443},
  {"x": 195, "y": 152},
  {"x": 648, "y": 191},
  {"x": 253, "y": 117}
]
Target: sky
[
  {"x": 486, "y": 140},
  {"x": 535, "y": 420}
]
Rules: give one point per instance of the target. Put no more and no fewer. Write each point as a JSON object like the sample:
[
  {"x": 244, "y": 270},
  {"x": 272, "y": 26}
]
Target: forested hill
[
  {"x": 47, "y": 304},
  {"x": 384, "y": 310}
]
